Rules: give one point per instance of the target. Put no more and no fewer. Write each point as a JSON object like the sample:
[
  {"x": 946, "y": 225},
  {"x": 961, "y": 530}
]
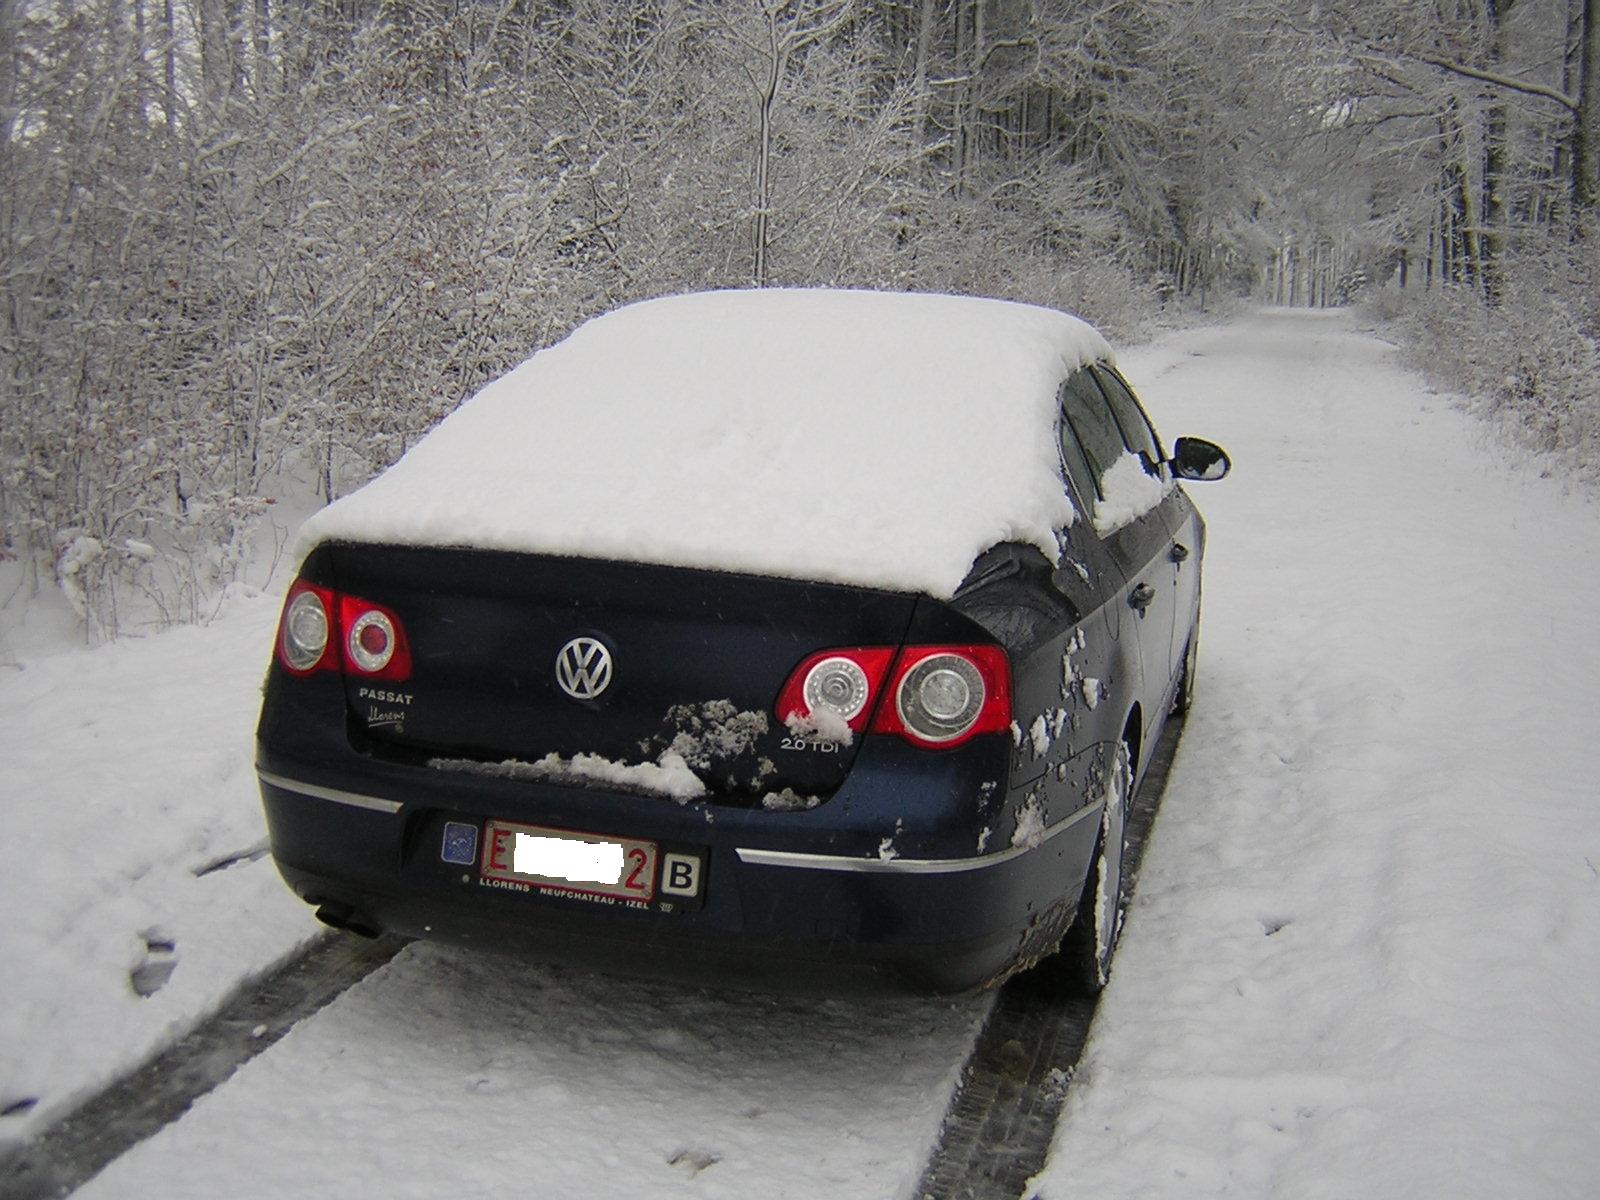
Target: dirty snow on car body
[
  {"x": 670, "y": 776},
  {"x": 875, "y": 439},
  {"x": 1364, "y": 957}
]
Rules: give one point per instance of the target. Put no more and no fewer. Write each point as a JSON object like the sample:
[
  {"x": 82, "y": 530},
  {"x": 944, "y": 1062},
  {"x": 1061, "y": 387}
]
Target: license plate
[{"x": 562, "y": 860}]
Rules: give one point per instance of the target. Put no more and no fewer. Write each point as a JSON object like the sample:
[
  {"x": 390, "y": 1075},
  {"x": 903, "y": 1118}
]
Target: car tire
[{"x": 1087, "y": 949}]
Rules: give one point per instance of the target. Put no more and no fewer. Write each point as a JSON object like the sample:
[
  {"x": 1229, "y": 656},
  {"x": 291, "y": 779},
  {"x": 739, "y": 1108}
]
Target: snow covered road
[
  {"x": 1364, "y": 958},
  {"x": 449, "y": 1074}
]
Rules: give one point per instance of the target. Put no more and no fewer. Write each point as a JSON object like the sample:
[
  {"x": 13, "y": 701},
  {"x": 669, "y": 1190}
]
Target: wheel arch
[{"x": 1133, "y": 734}]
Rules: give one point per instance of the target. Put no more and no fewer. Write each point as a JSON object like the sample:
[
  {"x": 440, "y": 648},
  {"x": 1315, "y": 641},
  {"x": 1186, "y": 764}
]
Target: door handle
[
  {"x": 1179, "y": 552},
  {"x": 1141, "y": 597}
]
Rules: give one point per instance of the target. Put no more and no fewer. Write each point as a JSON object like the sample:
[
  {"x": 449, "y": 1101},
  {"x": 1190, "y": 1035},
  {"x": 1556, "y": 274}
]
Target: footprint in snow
[
  {"x": 233, "y": 858},
  {"x": 669, "y": 1041},
  {"x": 156, "y": 967},
  {"x": 693, "y": 1161}
]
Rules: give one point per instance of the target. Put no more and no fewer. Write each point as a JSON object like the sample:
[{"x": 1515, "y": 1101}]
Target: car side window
[
  {"x": 1137, "y": 431},
  {"x": 1091, "y": 419},
  {"x": 1081, "y": 475}
]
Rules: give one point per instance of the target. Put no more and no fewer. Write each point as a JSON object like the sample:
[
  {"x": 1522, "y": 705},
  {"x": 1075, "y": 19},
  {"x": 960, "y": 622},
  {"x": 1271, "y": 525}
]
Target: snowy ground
[
  {"x": 125, "y": 771},
  {"x": 1364, "y": 960}
]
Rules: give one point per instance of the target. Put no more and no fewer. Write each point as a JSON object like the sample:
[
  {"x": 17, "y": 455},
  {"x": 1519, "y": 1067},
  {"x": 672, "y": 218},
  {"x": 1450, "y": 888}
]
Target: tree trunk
[
  {"x": 1429, "y": 262},
  {"x": 237, "y": 58},
  {"x": 262, "y": 37},
  {"x": 919, "y": 82},
  {"x": 1492, "y": 245},
  {"x": 961, "y": 130},
  {"x": 972, "y": 121},
  {"x": 1586, "y": 125},
  {"x": 216, "y": 72},
  {"x": 766, "y": 99},
  {"x": 10, "y": 14},
  {"x": 169, "y": 58},
  {"x": 1461, "y": 202}
]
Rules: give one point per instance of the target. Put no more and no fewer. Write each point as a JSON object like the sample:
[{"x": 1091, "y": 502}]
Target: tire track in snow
[
  {"x": 153, "y": 1095},
  {"x": 1002, "y": 1118}
]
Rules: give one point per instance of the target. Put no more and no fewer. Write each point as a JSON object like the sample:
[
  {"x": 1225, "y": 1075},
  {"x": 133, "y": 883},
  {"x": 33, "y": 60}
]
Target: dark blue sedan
[{"x": 780, "y": 638}]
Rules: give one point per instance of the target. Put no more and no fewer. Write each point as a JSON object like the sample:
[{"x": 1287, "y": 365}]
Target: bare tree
[{"x": 772, "y": 37}]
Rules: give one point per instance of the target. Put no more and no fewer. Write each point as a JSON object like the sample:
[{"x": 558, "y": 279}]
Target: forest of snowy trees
[{"x": 245, "y": 238}]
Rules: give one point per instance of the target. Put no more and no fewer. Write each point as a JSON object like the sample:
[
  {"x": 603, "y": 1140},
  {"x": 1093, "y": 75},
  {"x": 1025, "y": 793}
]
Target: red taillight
[
  {"x": 843, "y": 682},
  {"x": 941, "y": 696},
  {"x": 936, "y": 696},
  {"x": 372, "y": 640},
  {"x": 322, "y": 630},
  {"x": 305, "y": 636}
]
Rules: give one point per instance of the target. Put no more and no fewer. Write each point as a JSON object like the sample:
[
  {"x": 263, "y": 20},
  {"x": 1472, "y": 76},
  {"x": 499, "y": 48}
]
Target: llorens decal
[{"x": 377, "y": 715}]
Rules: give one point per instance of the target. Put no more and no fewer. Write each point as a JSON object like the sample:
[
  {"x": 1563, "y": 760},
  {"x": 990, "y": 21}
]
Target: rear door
[
  {"x": 1140, "y": 546},
  {"x": 1183, "y": 525}
]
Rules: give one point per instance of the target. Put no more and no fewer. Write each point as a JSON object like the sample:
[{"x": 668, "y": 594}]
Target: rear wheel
[{"x": 1087, "y": 949}]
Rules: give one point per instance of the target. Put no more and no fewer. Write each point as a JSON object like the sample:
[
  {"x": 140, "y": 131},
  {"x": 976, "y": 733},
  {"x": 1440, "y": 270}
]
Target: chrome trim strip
[
  {"x": 904, "y": 866},
  {"x": 354, "y": 799}
]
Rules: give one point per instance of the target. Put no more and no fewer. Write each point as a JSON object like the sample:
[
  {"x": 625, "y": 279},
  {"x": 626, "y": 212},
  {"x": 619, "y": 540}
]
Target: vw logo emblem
[{"x": 583, "y": 668}]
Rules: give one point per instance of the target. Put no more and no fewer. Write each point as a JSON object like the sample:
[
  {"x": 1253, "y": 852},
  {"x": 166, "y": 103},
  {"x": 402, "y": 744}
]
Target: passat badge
[{"x": 583, "y": 668}]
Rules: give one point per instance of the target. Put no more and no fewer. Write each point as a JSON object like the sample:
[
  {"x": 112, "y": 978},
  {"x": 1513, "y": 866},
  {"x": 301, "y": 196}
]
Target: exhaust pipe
[{"x": 342, "y": 916}]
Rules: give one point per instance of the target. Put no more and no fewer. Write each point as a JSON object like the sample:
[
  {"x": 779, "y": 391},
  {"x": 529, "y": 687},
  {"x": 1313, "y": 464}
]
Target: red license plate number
[{"x": 566, "y": 861}]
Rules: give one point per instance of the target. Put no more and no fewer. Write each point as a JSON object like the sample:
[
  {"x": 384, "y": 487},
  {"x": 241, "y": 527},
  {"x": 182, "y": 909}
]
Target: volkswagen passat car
[{"x": 777, "y": 638}]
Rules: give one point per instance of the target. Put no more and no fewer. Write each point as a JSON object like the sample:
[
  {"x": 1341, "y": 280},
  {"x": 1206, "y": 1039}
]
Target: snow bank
[
  {"x": 869, "y": 438},
  {"x": 132, "y": 872}
]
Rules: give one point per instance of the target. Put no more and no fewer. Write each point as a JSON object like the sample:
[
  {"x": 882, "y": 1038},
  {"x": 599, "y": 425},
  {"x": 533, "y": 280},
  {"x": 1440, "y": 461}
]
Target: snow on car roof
[{"x": 869, "y": 438}]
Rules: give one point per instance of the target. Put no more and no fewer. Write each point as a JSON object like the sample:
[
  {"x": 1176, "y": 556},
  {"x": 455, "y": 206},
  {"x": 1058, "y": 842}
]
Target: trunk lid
[{"x": 661, "y": 664}]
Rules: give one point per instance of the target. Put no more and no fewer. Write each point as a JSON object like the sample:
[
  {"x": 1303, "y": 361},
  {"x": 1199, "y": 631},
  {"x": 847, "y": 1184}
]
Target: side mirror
[{"x": 1197, "y": 459}]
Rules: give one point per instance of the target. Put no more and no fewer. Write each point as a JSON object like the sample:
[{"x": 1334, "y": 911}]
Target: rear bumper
[{"x": 787, "y": 900}]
